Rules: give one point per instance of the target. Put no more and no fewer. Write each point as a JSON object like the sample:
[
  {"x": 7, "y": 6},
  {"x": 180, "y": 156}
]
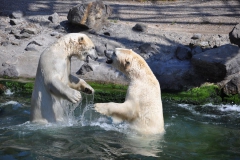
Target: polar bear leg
[
  {"x": 81, "y": 85},
  {"x": 123, "y": 111},
  {"x": 59, "y": 89}
]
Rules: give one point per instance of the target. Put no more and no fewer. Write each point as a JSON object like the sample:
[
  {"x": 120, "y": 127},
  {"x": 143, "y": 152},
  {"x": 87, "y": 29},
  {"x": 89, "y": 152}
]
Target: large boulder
[
  {"x": 216, "y": 64},
  {"x": 90, "y": 14},
  {"x": 183, "y": 53},
  {"x": 234, "y": 35}
]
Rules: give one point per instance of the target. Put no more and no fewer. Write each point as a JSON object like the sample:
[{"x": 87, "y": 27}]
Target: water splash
[{"x": 8, "y": 92}]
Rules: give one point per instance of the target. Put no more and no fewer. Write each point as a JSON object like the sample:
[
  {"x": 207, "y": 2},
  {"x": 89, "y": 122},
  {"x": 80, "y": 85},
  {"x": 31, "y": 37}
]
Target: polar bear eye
[
  {"x": 93, "y": 47},
  {"x": 127, "y": 62}
]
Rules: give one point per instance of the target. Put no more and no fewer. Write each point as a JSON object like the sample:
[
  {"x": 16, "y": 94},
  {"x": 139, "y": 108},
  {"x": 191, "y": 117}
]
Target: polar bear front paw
[
  {"x": 75, "y": 96},
  {"x": 101, "y": 108},
  {"x": 88, "y": 90}
]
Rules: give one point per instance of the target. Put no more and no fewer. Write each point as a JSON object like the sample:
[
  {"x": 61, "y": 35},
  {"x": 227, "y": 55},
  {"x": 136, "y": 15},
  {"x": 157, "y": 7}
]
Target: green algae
[
  {"x": 207, "y": 93},
  {"x": 108, "y": 92}
]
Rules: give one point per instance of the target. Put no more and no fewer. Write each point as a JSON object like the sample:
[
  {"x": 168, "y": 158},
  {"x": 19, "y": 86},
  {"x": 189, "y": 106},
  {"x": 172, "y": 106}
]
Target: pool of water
[{"x": 192, "y": 132}]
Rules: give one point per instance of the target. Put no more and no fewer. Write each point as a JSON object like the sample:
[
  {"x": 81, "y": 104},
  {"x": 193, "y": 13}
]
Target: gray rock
[
  {"x": 214, "y": 41},
  {"x": 196, "y": 50},
  {"x": 41, "y": 20},
  {"x": 11, "y": 71},
  {"x": 204, "y": 44},
  {"x": 17, "y": 14},
  {"x": 233, "y": 86},
  {"x": 54, "y": 34},
  {"x": 5, "y": 43},
  {"x": 22, "y": 36},
  {"x": 215, "y": 64},
  {"x": 140, "y": 27},
  {"x": 183, "y": 53},
  {"x": 16, "y": 21},
  {"x": 149, "y": 48},
  {"x": 197, "y": 36},
  {"x": 29, "y": 31},
  {"x": 234, "y": 35},
  {"x": 31, "y": 47},
  {"x": 15, "y": 43},
  {"x": 84, "y": 69},
  {"x": 90, "y": 14},
  {"x": 14, "y": 31},
  {"x": 54, "y": 18}
]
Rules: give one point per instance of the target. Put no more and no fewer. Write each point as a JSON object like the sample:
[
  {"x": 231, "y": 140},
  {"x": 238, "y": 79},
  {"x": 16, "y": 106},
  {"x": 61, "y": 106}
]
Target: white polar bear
[
  {"x": 54, "y": 82},
  {"x": 143, "y": 104}
]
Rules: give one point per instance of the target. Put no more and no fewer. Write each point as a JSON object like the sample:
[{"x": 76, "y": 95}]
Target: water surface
[{"x": 192, "y": 132}]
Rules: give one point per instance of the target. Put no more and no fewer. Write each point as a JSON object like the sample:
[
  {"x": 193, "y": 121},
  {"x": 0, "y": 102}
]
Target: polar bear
[
  {"x": 54, "y": 83},
  {"x": 143, "y": 105}
]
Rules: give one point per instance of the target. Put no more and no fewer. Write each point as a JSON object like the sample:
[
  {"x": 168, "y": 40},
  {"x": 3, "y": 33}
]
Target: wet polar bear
[
  {"x": 143, "y": 105},
  {"x": 54, "y": 83}
]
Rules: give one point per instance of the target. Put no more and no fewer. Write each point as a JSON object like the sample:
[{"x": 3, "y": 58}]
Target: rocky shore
[{"x": 186, "y": 43}]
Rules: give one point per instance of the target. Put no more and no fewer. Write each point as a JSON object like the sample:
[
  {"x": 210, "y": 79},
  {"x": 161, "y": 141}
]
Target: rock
[
  {"x": 54, "y": 34},
  {"x": 90, "y": 14},
  {"x": 16, "y": 21},
  {"x": 17, "y": 14},
  {"x": 140, "y": 27},
  {"x": 32, "y": 46},
  {"x": 233, "y": 86},
  {"x": 22, "y": 36},
  {"x": 204, "y": 44},
  {"x": 11, "y": 71},
  {"x": 215, "y": 64},
  {"x": 183, "y": 53},
  {"x": 84, "y": 69},
  {"x": 15, "y": 43},
  {"x": 196, "y": 36},
  {"x": 106, "y": 34},
  {"x": 214, "y": 41},
  {"x": 29, "y": 31},
  {"x": 196, "y": 50},
  {"x": 41, "y": 20},
  {"x": 149, "y": 48},
  {"x": 14, "y": 31},
  {"x": 5, "y": 43},
  {"x": 54, "y": 18},
  {"x": 234, "y": 35}
]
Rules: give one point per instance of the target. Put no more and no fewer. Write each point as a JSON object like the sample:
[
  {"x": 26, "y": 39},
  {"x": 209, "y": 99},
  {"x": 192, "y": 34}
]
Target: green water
[{"x": 192, "y": 132}]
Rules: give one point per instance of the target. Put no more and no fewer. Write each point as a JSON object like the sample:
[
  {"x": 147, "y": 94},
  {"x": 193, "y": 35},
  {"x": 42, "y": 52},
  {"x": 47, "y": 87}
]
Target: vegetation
[
  {"x": 207, "y": 93},
  {"x": 106, "y": 92}
]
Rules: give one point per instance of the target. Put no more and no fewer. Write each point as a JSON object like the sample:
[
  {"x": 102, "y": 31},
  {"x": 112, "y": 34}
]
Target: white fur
[
  {"x": 54, "y": 83},
  {"x": 143, "y": 104}
]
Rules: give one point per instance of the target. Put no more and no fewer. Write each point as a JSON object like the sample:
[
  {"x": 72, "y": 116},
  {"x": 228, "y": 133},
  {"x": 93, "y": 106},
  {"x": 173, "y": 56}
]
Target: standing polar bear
[
  {"x": 54, "y": 83},
  {"x": 143, "y": 104}
]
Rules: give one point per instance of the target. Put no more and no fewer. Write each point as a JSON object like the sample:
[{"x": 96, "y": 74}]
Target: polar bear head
[
  {"x": 128, "y": 62},
  {"x": 81, "y": 46}
]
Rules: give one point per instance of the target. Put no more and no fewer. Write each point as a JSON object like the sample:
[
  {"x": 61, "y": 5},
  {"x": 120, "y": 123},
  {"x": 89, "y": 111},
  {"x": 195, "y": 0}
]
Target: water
[{"x": 192, "y": 132}]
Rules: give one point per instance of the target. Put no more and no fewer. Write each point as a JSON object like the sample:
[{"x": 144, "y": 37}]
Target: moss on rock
[{"x": 207, "y": 93}]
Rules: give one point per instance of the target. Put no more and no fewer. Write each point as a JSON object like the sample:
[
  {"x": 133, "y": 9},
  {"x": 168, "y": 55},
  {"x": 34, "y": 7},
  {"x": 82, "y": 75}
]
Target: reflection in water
[{"x": 201, "y": 132}]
